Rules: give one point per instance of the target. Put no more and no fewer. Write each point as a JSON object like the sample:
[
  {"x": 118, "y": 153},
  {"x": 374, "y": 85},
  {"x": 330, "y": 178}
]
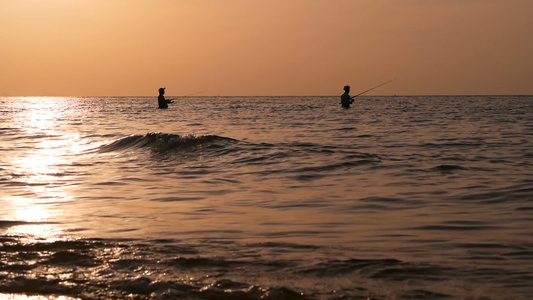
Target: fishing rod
[
  {"x": 372, "y": 88},
  {"x": 188, "y": 95},
  {"x": 195, "y": 93}
]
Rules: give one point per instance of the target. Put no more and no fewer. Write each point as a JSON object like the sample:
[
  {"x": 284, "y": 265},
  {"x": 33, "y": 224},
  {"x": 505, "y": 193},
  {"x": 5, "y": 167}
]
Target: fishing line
[
  {"x": 195, "y": 93},
  {"x": 372, "y": 88}
]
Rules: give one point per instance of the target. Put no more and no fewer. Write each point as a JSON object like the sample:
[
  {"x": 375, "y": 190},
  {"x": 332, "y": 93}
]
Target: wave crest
[{"x": 161, "y": 142}]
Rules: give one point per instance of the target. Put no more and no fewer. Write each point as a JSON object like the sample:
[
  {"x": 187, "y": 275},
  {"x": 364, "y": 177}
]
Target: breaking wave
[{"x": 161, "y": 142}]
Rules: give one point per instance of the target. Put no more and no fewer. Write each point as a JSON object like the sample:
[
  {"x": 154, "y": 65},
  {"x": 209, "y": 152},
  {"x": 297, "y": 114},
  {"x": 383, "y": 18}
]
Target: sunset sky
[{"x": 260, "y": 47}]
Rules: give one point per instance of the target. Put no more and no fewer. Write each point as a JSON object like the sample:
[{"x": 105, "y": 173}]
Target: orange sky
[{"x": 260, "y": 47}]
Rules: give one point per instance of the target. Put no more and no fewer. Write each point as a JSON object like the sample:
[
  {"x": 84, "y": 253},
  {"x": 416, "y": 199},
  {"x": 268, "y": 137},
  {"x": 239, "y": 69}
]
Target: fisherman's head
[
  {"x": 347, "y": 88},
  {"x": 161, "y": 91}
]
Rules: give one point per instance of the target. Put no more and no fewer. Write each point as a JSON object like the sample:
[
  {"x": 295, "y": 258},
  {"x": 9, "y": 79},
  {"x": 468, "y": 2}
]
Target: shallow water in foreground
[{"x": 267, "y": 198}]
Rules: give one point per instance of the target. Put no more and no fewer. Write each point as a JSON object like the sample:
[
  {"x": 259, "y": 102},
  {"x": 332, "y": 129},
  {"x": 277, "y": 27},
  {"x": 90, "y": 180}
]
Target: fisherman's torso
[
  {"x": 162, "y": 102},
  {"x": 345, "y": 100}
]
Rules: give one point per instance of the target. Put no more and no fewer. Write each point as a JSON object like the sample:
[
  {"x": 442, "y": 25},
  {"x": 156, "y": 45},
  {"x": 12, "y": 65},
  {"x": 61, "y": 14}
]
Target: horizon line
[{"x": 196, "y": 96}]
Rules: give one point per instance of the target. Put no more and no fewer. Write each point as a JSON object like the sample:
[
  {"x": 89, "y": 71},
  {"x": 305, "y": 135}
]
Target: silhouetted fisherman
[
  {"x": 346, "y": 100},
  {"x": 163, "y": 103}
]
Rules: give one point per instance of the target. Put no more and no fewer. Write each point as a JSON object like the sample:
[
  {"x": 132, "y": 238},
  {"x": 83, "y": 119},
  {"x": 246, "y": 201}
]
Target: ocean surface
[{"x": 266, "y": 198}]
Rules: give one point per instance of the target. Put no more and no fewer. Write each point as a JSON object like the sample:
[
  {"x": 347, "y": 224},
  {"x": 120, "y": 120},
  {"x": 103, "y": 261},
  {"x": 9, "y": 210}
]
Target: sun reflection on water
[
  {"x": 42, "y": 167},
  {"x": 34, "y": 217},
  {"x": 33, "y": 297}
]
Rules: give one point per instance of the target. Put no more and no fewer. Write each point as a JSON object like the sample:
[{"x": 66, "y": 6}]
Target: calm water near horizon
[{"x": 266, "y": 198}]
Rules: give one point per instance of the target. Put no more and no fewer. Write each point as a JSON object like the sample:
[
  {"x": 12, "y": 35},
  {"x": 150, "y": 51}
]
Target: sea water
[{"x": 266, "y": 198}]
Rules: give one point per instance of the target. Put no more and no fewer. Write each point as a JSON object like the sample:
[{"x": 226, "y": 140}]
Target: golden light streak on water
[
  {"x": 42, "y": 166},
  {"x": 34, "y": 215}
]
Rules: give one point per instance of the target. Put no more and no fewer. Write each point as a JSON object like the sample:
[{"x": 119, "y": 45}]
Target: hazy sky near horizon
[{"x": 259, "y": 47}]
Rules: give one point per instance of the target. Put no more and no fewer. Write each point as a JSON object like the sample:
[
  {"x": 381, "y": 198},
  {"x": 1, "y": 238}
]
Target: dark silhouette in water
[
  {"x": 163, "y": 103},
  {"x": 346, "y": 100}
]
